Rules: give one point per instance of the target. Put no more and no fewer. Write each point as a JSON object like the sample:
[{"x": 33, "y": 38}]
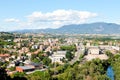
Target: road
[{"x": 77, "y": 55}]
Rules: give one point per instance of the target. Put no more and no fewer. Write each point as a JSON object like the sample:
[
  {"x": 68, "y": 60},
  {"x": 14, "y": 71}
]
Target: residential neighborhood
[{"x": 38, "y": 52}]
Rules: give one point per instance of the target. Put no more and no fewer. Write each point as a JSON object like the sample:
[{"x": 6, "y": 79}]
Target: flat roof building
[
  {"x": 25, "y": 68},
  {"x": 93, "y": 50},
  {"x": 57, "y": 56}
]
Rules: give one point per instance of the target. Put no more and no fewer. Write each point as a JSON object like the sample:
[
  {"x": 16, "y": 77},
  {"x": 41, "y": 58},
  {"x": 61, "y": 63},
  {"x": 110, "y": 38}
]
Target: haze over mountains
[{"x": 91, "y": 28}]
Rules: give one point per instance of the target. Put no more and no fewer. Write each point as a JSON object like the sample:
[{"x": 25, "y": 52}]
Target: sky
[{"x": 42, "y": 14}]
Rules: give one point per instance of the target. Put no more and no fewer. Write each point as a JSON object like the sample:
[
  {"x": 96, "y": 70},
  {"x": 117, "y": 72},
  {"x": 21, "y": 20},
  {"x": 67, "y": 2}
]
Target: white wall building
[
  {"x": 93, "y": 50},
  {"x": 57, "y": 56},
  {"x": 116, "y": 48}
]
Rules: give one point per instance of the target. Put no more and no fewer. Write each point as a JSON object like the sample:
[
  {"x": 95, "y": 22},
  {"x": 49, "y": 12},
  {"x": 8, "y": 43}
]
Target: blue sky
[{"x": 36, "y": 14}]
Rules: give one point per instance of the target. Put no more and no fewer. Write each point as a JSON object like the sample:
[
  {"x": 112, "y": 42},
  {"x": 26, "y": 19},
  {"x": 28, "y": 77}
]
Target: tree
[
  {"x": 109, "y": 54},
  {"x": 3, "y": 74},
  {"x": 69, "y": 48},
  {"x": 46, "y": 61},
  {"x": 69, "y": 55},
  {"x": 36, "y": 60},
  {"x": 12, "y": 68},
  {"x": 18, "y": 76},
  {"x": 81, "y": 57},
  {"x": 38, "y": 75}
]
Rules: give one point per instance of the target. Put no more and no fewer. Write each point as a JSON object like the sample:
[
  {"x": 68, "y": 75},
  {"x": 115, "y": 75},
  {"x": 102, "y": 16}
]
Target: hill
[{"x": 91, "y": 28}]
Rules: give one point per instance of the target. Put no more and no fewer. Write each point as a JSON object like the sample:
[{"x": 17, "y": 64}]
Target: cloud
[
  {"x": 11, "y": 20},
  {"x": 60, "y": 17},
  {"x": 54, "y": 19}
]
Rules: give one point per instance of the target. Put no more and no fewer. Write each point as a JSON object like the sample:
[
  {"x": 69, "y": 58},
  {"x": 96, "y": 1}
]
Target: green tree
[
  {"x": 38, "y": 75},
  {"x": 46, "y": 61},
  {"x": 69, "y": 48},
  {"x": 19, "y": 76},
  {"x": 69, "y": 55}
]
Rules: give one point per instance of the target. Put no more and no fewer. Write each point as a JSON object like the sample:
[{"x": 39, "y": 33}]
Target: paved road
[{"x": 77, "y": 55}]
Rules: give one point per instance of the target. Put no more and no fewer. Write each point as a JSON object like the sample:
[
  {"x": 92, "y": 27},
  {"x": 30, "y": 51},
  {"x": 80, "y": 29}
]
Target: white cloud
[
  {"x": 60, "y": 17},
  {"x": 55, "y": 19},
  {"x": 11, "y": 20}
]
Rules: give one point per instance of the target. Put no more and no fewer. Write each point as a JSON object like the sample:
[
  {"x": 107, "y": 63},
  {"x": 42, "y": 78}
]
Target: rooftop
[{"x": 26, "y": 67}]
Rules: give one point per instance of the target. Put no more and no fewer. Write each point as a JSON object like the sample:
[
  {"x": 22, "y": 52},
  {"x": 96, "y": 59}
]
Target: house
[
  {"x": 25, "y": 49},
  {"x": 88, "y": 44},
  {"x": 9, "y": 40},
  {"x": 57, "y": 56},
  {"x": 35, "y": 47},
  {"x": 25, "y": 68},
  {"x": 4, "y": 56},
  {"x": 41, "y": 47},
  {"x": 80, "y": 46},
  {"x": 11, "y": 64},
  {"x": 29, "y": 55}
]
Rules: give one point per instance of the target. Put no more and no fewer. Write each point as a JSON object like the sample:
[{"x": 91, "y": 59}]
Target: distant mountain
[{"x": 92, "y": 28}]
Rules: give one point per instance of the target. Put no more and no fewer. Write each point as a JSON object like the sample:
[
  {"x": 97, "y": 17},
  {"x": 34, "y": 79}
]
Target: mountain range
[{"x": 91, "y": 28}]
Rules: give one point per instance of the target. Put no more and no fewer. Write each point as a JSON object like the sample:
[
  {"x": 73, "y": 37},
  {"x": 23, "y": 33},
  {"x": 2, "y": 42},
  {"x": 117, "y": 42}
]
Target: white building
[
  {"x": 11, "y": 64},
  {"x": 57, "y": 56},
  {"x": 116, "y": 48},
  {"x": 93, "y": 50},
  {"x": 106, "y": 47},
  {"x": 87, "y": 44},
  {"x": 35, "y": 47}
]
